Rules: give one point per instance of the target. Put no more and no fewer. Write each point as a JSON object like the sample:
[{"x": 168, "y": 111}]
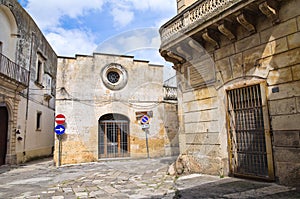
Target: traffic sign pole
[
  {"x": 59, "y": 130},
  {"x": 146, "y": 132},
  {"x": 145, "y": 126},
  {"x": 59, "y": 150}
]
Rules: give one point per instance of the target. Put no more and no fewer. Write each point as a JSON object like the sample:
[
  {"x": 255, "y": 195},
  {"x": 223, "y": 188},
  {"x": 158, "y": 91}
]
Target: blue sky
[{"x": 108, "y": 26}]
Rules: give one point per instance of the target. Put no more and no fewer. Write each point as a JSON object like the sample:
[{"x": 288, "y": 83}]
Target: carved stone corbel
[
  {"x": 227, "y": 29},
  {"x": 186, "y": 55},
  {"x": 247, "y": 21},
  {"x": 196, "y": 46},
  {"x": 173, "y": 56},
  {"x": 210, "y": 36},
  {"x": 270, "y": 8}
]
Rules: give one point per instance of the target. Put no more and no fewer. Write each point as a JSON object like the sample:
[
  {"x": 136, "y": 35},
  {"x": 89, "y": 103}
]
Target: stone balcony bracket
[
  {"x": 227, "y": 29},
  {"x": 270, "y": 8},
  {"x": 211, "y": 37},
  {"x": 246, "y": 20}
]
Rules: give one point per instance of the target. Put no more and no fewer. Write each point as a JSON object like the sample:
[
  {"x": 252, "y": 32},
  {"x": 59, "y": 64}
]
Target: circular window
[{"x": 114, "y": 76}]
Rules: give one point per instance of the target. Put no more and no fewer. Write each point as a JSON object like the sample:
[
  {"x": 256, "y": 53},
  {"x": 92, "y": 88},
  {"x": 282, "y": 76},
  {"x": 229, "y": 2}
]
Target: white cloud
[
  {"x": 47, "y": 13},
  {"x": 123, "y": 10},
  {"x": 154, "y": 5},
  {"x": 70, "y": 42},
  {"x": 122, "y": 17},
  {"x": 129, "y": 41}
]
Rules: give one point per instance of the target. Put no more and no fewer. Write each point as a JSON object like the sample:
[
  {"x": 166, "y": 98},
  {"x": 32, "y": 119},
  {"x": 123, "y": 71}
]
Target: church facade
[{"x": 104, "y": 99}]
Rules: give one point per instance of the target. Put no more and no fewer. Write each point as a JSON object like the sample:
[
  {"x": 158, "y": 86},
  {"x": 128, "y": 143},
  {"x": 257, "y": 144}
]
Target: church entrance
[{"x": 113, "y": 136}]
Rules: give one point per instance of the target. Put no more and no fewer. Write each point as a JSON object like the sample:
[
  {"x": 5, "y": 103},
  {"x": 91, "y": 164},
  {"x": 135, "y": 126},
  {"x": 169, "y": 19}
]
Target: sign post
[
  {"x": 60, "y": 119},
  {"x": 145, "y": 126}
]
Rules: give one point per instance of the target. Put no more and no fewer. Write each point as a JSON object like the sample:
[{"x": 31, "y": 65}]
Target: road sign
[
  {"x": 60, "y": 129},
  {"x": 145, "y": 126},
  {"x": 60, "y": 119},
  {"x": 145, "y": 119}
]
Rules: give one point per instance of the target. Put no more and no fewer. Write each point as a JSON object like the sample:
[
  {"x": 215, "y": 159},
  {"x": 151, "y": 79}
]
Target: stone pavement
[{"x": 126, "y": 178}]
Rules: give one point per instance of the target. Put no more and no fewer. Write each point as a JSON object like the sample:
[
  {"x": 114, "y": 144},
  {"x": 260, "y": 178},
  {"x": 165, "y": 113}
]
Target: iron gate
[
  {"x": 249, "y": 138},
  {"x": 114, "y": 139}
]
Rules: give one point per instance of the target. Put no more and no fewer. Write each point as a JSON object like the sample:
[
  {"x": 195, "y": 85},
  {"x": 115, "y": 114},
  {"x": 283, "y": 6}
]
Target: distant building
[
  {"x": 238, "y": 73},
  {"x": 27, "y": 87},
  {"x": 104, "y": 98}
]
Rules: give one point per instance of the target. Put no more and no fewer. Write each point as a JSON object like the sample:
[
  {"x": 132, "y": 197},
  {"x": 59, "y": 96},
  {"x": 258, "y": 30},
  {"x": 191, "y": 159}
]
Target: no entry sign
[{"x": 60, "y": 119}]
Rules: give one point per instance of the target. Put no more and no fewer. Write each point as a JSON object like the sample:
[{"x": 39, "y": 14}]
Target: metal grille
[
  {"x": 113, "y": 139},
  {"x": 247, "y": 132}
]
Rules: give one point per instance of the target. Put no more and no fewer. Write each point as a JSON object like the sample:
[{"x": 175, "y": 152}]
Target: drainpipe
[{"x": 27, "y": 95}]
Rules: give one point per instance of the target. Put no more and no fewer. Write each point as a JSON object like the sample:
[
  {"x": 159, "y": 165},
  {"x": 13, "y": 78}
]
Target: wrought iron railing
[
  {"x": 199, "y": 12},
  {"x": 13, "y": 71},
  {"x": 170, "y": 93}
]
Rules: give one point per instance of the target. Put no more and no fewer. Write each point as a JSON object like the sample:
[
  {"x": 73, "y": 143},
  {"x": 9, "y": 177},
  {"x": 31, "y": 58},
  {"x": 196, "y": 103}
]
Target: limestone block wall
[
  {"x": 83, "y": 98},
  {"x": 270, "y": 56}
]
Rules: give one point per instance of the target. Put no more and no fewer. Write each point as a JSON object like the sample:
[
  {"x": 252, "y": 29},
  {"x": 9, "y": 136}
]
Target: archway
[
  {"x": 3, "y": 133},
  {"x": 113, "y": 136}
]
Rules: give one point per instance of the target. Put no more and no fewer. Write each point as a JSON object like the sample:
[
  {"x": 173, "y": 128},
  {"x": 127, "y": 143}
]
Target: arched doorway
[
  {"x": 3, "y": 133},
  {"x": 113, "y": 136}
]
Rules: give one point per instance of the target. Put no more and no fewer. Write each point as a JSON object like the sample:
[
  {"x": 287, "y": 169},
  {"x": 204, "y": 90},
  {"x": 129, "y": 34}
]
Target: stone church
[
  {"x": 238, "y": 74},
  {"x": 104, "y": 98}
]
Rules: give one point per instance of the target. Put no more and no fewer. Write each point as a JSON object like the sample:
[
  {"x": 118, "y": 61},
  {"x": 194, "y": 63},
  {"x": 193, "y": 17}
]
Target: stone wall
[{"x": 268, "y": 56}]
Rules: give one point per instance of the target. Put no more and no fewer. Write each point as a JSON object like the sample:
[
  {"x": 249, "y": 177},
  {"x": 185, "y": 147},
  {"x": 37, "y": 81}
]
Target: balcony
[
  {"x": 170, "y": 93},
  {"x": 205, "y": 20},
  {"x": 12, "y": 75}
]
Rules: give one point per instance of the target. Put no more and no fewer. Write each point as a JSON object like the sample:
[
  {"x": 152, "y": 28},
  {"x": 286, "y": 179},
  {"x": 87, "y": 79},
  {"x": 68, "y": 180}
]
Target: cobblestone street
[{"x": 145, "y": 178}]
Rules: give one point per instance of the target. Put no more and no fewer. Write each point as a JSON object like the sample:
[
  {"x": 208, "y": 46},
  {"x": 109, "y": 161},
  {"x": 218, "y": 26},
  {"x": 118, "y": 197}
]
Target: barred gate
[
  {"x": 114, "y": 139},
  {"x": 249, "y": 137}
]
